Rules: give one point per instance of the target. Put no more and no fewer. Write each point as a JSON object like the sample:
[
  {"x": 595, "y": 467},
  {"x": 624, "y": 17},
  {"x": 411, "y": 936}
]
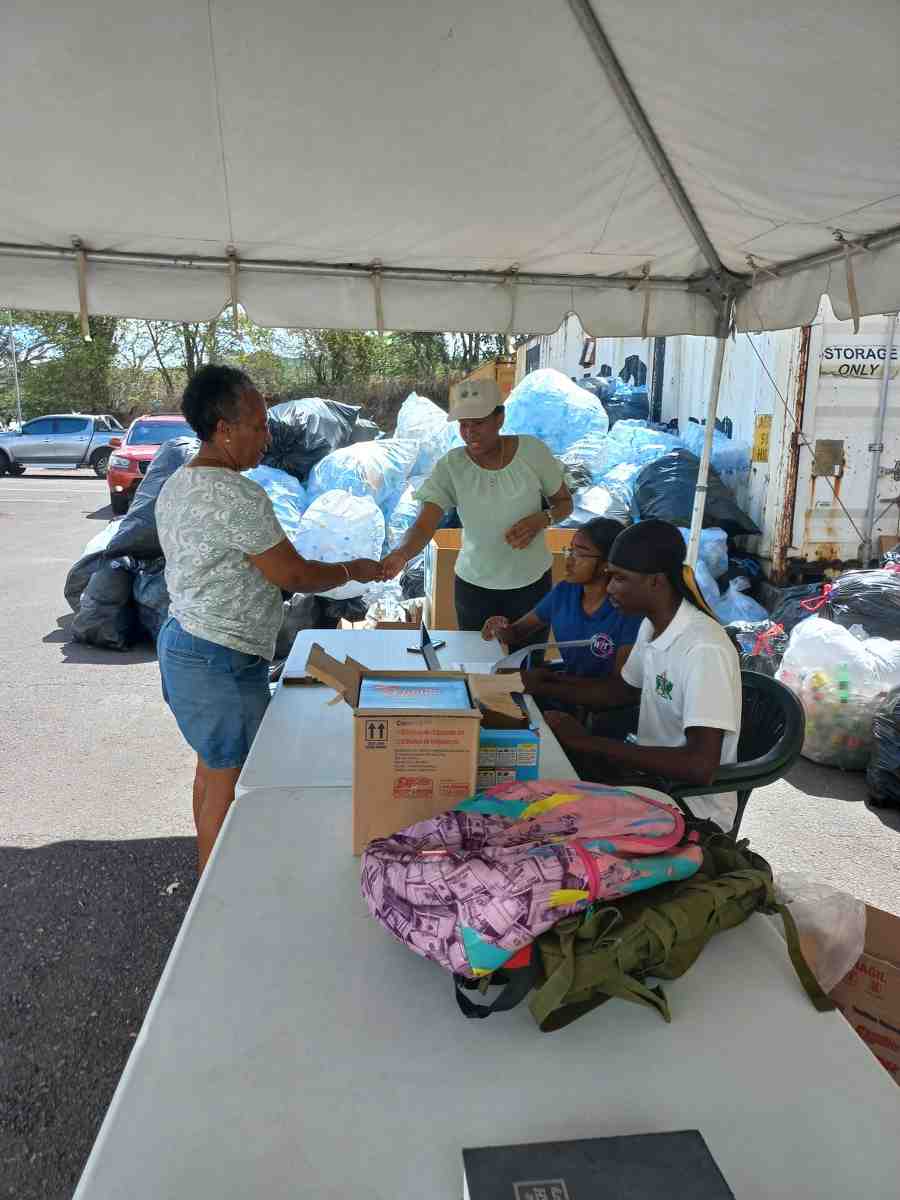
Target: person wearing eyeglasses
[{"x": 577, "y": 609}]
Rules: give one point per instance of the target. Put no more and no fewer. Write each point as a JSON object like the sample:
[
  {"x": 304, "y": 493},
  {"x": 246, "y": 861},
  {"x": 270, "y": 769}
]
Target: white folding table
[
  {"x": 305, "y": 740},
  {"x": 294, "y": 1051}
]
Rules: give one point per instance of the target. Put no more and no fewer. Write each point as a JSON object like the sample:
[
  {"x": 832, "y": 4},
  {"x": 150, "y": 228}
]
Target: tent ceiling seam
[
  {"x": 220, "y": 124},
  {"x": 625, "y": 94}
]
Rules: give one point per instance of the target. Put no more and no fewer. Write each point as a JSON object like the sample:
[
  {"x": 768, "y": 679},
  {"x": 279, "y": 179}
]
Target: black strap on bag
[{"x": 515, "y": 986}]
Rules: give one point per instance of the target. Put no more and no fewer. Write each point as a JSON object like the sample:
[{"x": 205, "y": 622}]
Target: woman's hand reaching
[
  {"x": 365, "y": 570},
  {"x": 392, "y": 564},
  {"x": 525, "y": 531}
]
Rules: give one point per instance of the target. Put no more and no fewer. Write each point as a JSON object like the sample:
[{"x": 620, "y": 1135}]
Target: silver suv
[{"x": 60, "y": 440}]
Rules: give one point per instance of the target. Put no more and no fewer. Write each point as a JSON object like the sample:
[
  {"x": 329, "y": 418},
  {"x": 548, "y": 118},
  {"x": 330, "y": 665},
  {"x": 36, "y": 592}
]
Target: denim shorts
[{"x": 218, "y": 695}]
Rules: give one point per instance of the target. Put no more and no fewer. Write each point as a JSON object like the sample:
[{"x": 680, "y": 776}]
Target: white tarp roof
[{"x": 476, "y": 149}]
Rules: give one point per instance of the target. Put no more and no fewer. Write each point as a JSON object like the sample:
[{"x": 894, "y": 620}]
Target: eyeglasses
[{"x": 572, "y": 552}]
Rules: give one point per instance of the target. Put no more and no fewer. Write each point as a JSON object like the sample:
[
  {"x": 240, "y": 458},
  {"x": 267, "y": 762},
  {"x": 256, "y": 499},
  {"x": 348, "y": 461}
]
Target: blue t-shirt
[{"x": 561, "y": 609}]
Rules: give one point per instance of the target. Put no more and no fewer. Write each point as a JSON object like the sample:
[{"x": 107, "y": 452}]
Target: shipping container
[{"x": 823, "y": 473}]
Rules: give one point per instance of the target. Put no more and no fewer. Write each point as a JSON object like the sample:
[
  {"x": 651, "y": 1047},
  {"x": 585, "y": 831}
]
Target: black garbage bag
[
  {"x": 412, "y": 578},
  {"x": 760, "y": 644},
  {"x": 304, "y": 431},
  {"x": 334, "y": 611},
  {"x": 450, "y": 520},
  {"x": 798, "y": 603},
  {"x": 883, "y": 772},
  {"x": 664, "y": 490},
  {"x": 136, "y": 536},
  {"x": 79, "y": 576},
  {"x": 151, "y": 597},
  {"x": 300, "y": 612},
  {"x": 365, "y": 431},
  {"x": 625, "y": 406},
  {"x": 867, "y": 598},
  {"x": 107, "y": 616}
]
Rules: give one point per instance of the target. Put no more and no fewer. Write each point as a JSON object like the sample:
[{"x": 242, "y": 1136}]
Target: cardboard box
[
  {"x": 440, "y": 562},
  {"x": 507, "y": 756},
  {"x": 413, "y": 621},
  {"x": 869, "y": 997},
  {"x": 412, "y": 758},
  {"x": 887, "y": 541},
  {"x": 502, "y": 370}
]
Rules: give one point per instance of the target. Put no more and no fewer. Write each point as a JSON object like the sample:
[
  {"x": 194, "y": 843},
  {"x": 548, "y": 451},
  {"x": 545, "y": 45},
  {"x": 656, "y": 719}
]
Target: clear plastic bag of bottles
[{"x": 841, "y": 682}]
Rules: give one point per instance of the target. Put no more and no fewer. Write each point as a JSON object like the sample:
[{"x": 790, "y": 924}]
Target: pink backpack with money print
[{"x": 473, "y": 887}]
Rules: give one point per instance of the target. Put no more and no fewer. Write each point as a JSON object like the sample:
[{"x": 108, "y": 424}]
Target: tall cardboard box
[
  {"x": 415, "y": 738},
  {"x": 440, "y": 562},
  {"x": 869, "y": 996}
]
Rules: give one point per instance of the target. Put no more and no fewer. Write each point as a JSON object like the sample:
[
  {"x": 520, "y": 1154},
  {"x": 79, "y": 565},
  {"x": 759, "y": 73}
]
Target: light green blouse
[{"x": 489, "y": 504}]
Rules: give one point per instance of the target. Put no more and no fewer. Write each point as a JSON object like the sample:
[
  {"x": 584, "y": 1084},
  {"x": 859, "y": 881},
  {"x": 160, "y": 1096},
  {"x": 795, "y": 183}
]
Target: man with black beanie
[{"x": 683, "y": 671}]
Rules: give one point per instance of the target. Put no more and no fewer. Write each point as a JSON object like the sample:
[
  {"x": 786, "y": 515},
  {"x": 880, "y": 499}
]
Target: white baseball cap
[{"x": 473, "y": 399}]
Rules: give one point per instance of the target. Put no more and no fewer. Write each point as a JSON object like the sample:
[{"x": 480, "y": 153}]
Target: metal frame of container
[{"x": 814, "y": 404}]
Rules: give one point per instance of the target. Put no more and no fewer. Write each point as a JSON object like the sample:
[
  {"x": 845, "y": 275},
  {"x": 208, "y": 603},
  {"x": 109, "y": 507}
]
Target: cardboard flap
[
  {"x": 495, "y": 696},
  {"x": 882, "y": 935},
  {"x": 343, "y": 677}
]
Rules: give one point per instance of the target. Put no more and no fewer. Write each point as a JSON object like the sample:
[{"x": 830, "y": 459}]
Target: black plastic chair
[{"x": 773, "y": 725}]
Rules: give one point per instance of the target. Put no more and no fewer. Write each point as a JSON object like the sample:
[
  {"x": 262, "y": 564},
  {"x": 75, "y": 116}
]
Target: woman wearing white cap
[{"x": 498, "y": 485}]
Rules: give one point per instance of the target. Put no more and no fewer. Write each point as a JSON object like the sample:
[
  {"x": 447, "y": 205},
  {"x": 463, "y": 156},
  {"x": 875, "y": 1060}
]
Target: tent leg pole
[
  {"x": 703, "y": 473},
  {"x": 867, "y": 552}
]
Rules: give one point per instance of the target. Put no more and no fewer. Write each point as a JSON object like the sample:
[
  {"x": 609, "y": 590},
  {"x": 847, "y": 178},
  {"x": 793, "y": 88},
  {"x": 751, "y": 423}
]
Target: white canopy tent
[{"x": 655, "y": 168}]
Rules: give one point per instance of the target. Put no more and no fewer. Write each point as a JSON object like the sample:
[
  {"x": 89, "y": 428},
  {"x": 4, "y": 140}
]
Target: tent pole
[
  {"x": 625, "y": 94},
  {"x": 703, "y": 474},
  {"x": 868, "y": 549},
  {"x": 15, "y": 367}
]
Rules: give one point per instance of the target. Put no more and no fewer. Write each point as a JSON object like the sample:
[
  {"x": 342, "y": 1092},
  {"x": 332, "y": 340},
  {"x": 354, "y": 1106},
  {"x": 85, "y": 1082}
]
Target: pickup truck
[{"x": 60, "y": 440}]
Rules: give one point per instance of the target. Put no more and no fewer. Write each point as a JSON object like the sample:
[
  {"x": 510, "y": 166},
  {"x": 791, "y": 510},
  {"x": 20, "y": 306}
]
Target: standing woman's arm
[{"x": 416, "y": 540}]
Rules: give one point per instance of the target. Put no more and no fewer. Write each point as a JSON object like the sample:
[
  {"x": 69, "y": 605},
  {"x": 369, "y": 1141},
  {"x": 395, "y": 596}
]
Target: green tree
[
  {"x": 470, "y": 349},
  {"x": 418, "y": 354},
  {"x": 58, "y": 369},
  {"x": 337, "y": 357}
]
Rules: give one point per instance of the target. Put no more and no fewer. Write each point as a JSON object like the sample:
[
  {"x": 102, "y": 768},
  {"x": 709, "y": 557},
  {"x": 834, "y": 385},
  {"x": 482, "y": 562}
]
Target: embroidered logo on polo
[
  {"x": 664, "y": 686},
  {"x": 602, "y": 645}
]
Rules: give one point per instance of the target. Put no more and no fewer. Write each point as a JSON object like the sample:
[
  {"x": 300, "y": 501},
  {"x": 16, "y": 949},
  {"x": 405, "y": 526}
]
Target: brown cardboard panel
[
  {"x": 869, "y": 996},
  {"x": 343, "y": 677},
  {"x": 495, "y": 696},
  {"x": 409, "y": 767},
  {"x": 447, "y": 544}
]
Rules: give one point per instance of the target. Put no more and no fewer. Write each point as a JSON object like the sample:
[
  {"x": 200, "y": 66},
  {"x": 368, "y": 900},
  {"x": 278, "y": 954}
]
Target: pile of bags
[
  {"x": 867, "y": 598},
  {"x": 619, "y": 465},
  {"x": 117, "y": 588},
  {"x": 883, "y": 772},
  {"x": 342, "y": 490},
  {"x": 760, "y": 644},
  {"x": 842, "y": 680},
  {"x": 303, "y": 432}
]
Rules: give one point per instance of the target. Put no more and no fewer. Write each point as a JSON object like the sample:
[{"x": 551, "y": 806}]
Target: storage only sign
[{"x": 859, "y": 357}]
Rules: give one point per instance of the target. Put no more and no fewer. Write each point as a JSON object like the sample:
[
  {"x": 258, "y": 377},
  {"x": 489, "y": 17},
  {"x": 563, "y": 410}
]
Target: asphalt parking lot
[
  {"x": 96, "y": 848},
  {"x": 97, "y": 856}
]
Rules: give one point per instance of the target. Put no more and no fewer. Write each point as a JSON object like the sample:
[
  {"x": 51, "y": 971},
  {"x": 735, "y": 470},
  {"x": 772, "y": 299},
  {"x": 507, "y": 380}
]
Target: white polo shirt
[{"x": 689, "y": 677}]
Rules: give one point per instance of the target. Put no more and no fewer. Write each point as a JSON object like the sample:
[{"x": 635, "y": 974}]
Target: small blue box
[{"x": 507, "y": 756}]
